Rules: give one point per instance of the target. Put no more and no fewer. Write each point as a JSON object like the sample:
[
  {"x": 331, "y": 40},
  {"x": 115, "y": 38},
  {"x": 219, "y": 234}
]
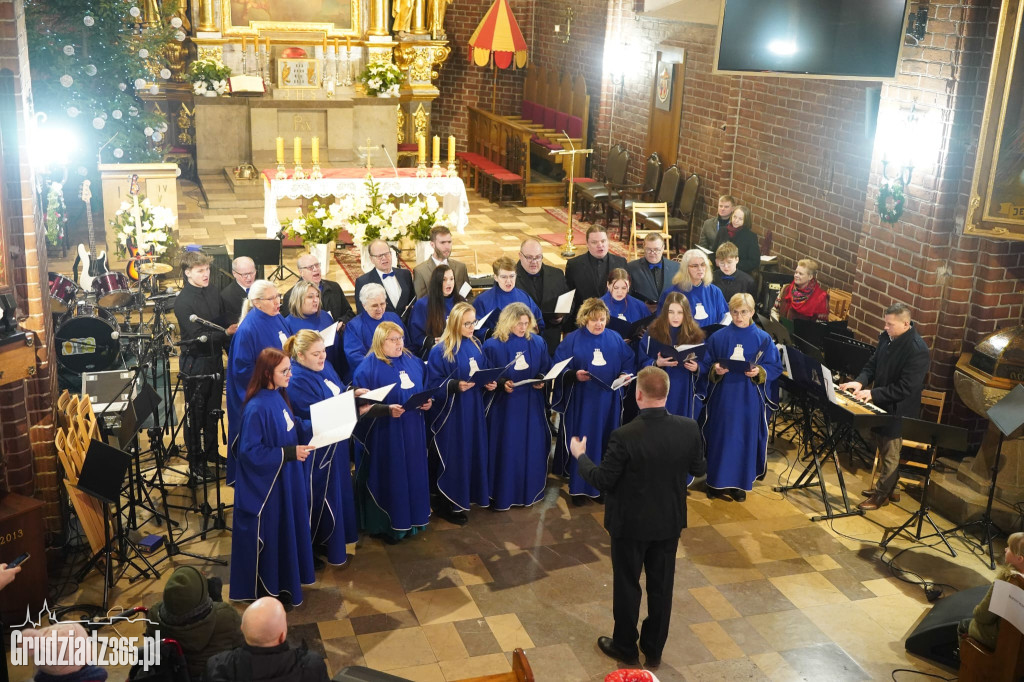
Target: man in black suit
[
  {"x": 396, "y": 281},
  {"x": 896, "y": 373},
  {"x": 332, "y": 298},
  {"x": 588, "y": 274},
  {"x": 244, "y": 271},
  {"x": 651, "y": 275},
  {"x": 643, "y": 477},
  {"x": 544, "y": 284}
]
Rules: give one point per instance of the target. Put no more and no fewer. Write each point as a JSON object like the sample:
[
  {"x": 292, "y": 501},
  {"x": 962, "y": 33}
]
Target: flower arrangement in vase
[
  {"x": 382, "y": 79},
  {"x": 151, "y": 234},
  {"x": 209, "y": 77}
]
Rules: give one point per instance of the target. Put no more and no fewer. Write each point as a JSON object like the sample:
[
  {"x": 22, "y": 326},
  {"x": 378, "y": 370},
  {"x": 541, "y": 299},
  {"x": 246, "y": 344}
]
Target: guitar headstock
[
  {"x": 86, "y": 193},
  {"x": 134, "y": 189}
]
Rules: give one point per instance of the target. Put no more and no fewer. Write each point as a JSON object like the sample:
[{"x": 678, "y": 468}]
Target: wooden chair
[
  {"x": 592, "y": 195},
  {"x": 1002, "y": 664},
  {"x": 838, "y": 304},
  {"x": 645, "y": 191},
  {"x": 521, "y": 671},
  {"x": 644, "y": 211},
  {"x": 668, "y": 192},
  {"x": 930, "y": 398}
]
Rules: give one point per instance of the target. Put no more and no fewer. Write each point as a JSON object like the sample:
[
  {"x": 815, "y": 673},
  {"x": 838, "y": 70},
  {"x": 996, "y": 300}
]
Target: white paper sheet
[
  {"x": 553, "y": 373},
  {"x": 466, "y": 290},
  {"x": 621, "y": 381},
  {"x": 480, "y": 323},
  {"x": 377, "y": 394},
  {"x": 333, "y": 419},
  {"x": 1008, "y": 602},
  {"x": 329, "y": 334},
  {"x": 564, "y": 303}
]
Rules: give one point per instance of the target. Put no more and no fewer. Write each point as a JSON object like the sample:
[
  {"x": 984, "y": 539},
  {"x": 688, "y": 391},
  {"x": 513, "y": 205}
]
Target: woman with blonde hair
[
  {"x": 738, "y": 407},
  {"x": 332, "y": 511},
  {"x": 260, "y": 326},
  {"x": 305, "y": 311},
  {"x": 460, "y": 462},
  {"x": 584, "y": 393},
  {"x": 504, "y": 292},
  {"x": 392, "y": 484},
  {"x": 517, "y": 424},
  {"x": 675, "y": 327},
  {"x": 694, "y": 281},
  {"x": 803, "y": 298}
]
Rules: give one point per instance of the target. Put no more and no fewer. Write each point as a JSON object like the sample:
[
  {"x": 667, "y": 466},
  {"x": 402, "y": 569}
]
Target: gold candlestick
[
  {"x": 314, "y": 173},
  {"x": 282, "y": 173},
  {"x": 298, "y": 173},
  {"x": 436, "y": 171},
  {"x": 452, "y": 171}
]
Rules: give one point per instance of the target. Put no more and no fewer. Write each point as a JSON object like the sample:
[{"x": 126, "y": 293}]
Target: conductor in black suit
[
  {"x": 397, "y": 282},
  {"x": 588, "y": 274},
  {"x": 544, "y": 284},
  {"x": 332, "y": 298},
  {"x": 643, "y": 477},
  {"x": 651, "y": 275}
]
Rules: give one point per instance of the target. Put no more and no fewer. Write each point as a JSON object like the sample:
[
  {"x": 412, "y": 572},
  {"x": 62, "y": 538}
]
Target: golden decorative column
[
  {"x": 206, "y": 21},
  {"x": 150, "y": 13},
  {"x": 378, "y": 18},
  {"x": 419, "y": 17}
]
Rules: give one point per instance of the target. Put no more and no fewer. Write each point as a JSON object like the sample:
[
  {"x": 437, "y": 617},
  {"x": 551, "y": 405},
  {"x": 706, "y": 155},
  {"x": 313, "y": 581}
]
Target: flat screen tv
[{"x": 849, "y": 39}]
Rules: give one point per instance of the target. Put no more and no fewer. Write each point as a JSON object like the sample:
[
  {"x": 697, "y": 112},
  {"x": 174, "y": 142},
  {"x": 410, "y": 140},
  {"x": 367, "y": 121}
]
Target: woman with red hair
[{"x": 271, "y": 549}]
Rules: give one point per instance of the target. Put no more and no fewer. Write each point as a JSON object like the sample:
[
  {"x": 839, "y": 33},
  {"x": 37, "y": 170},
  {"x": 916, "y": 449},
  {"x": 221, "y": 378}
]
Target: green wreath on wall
[{"x": 890, "y": 201}]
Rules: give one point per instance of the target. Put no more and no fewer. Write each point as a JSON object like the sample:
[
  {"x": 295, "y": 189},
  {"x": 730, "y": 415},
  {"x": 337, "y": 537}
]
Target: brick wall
[{"x": 26, "y": 410}]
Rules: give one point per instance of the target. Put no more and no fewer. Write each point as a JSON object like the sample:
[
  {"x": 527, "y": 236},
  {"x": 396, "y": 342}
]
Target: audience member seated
[
  {"x": 66, "y": 633},
  {"x": 194, "y": 614},
  {"x": 984, "y": 626},
  {"x": 803, "y": 298},
  {"x": 740, "y": 231},
  {"x": 727, "y": 278},
  {"x": 266, "y": 654},
  {"x": 652, "y": 275},
  {"x": 332, "y": 299},
  {"x": 441, "y": 242},
  {"x": 713, "y": 225}
]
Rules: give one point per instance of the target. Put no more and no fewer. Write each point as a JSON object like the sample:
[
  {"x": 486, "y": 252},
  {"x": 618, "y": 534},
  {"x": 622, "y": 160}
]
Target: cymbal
[{"x": 154, "y": 268}]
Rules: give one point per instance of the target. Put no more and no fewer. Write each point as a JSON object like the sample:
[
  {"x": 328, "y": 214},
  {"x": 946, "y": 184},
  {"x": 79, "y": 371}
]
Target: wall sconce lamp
[
  {"x": 909, "y": 139},
  {"x": 917, "y": 23},
  {"x": 569, "y": 16}
]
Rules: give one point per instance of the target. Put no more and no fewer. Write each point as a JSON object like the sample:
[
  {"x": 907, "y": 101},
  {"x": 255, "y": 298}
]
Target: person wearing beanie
[
  {"x": 189, "y": 614},
  {"x": 63, "y": 673}
]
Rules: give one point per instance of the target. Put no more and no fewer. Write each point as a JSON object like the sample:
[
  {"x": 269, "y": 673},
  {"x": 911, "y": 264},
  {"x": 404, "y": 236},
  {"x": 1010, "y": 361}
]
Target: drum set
[{"x": 89, "y": 335}]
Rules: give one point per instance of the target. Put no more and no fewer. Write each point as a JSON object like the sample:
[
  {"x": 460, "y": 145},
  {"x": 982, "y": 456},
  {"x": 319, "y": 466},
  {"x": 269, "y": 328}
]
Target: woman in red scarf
[{"x": 803, "y": 298}]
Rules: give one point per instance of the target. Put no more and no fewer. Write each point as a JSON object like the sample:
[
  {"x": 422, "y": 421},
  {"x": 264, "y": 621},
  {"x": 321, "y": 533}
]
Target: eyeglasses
[
  {"x": 469, "y": 323},
  {"x": 315, "y": 267},
  {"x": 271, "y": 298},
  {"x": 245, "y": 274},
  {"x": 285, "y": 371},
  {"x": 657, "y": 249},
  {"x": 396, "y": 339},
  {"x": 380, "y": 255},
  {"x": 531, "y": 259},
  {"x": 697, "y": 266}
]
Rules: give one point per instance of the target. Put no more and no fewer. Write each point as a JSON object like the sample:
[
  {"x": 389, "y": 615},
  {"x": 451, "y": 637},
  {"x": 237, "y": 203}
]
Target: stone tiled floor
[{"x": 761, "y": 592}]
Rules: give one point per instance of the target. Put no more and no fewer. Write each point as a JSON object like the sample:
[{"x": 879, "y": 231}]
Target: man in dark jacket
[
  {"x": 588, "y": 272},
  {"x": 332, "y": 298},
  {"x": 544, "y": 284},
  {"x": 189, "y": 615},
  {"x": 266, "y": 654},
  {"x": 652, "y": 275},
  {"x": 896, "y": 373},
  {"x": 643, "y": 477}
]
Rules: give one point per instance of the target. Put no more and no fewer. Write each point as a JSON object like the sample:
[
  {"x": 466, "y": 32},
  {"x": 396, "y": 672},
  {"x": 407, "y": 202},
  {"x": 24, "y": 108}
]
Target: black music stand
[
  {"x": 1008, "y": 416},
  {"x": 103, "y": 473},
  {"x": 264, "y": 252},
  {"x": 937, "y": 436}
]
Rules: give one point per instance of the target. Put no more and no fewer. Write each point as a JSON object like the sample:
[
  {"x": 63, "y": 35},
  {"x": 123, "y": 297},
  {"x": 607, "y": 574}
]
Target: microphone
[
  {"x": 206, "y": 323},
  {"x": 215, "y": 377},
  {"x": 188, "y": 342},
  {"x": 388, "y": 154},
  {"x": 115, "y": 335}
]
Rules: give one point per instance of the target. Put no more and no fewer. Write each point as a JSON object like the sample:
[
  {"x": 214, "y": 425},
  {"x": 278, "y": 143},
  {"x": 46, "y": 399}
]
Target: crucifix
[
  {"x": 368, "y": 150},
  {"x": 569, "y": 251}
]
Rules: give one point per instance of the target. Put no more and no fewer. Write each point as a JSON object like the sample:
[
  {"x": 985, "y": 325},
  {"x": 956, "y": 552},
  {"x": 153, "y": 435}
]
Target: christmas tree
[{"x": 90, "y": 61}]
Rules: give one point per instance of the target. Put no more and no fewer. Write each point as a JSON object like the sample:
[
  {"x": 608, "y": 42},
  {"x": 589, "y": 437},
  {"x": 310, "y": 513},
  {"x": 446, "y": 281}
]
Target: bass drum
[{"x": 84, "y": 342}]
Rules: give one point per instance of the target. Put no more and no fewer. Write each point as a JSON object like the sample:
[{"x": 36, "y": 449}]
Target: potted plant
[
  {"x": 419, "y": 217},
  {"x": 151, "y": 233},
  {"x": 318, "y": 229},
  {"x": 209, "y": 77},
  {"x": 382, "y": 79},
  {"x": 56, "y": 218}
]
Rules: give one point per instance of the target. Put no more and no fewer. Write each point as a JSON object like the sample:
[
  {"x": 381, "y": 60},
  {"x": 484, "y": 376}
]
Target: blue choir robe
[
  {"x": 271, "y": 550},
  {"x": 392, "y": 482},
  {"x": 494, "y": 301},
  {"x": 458, "y": 430},
  {"x": 683, "y": 388},
  {"x": 335, "y": 352},
  {"x": 713, "y": 306},
  {"x": 256, "y": 332},
  {"x": 517, "y": 423},
  {"x": 737, "y": 410},
  {"x": 328, "y": 480},
  {"x": 418, "y": 324},
  {"x": 629, "y": 309},
  {"x": 359, "y": 336},
  {"x": 589, "y": 408}
]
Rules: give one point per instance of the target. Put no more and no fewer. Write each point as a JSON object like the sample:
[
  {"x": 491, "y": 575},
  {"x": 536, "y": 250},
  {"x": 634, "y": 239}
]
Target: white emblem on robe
[
  {"x": 406, "y": 382},
  {"x": 281, "y": 335},
  {"x": 622, "y": 317},
  {"x": 288, "y": 420},
  {"x": 473, "y": 367},
  {"x": 737, "y": 353},
  {"x": 521, "y": 363},
  {"x": 334, "y": 387},
  {"x": 701, "y": 314},
  {"x": 598, "y": 360}
]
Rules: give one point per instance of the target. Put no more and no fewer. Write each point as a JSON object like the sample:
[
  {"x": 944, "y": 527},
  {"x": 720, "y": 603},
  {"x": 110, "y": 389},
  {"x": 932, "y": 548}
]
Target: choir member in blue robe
[
  {"x": 737, "y": 411},
  {"x": 392, "y": 482},
  {"x": 460, "y": 459},
  {"x": 583, "y": 394},
  {"x": 620, "y": 304},
  {"x": 260, "y": 326},
  {"x": 360, "y": 330},
  {"x": 503, "y": 292},
  {"x": 517, "y": 423},
  {"x": 429, "y": 314},
  {"x": 271, "y": 551},
  {"x": 675, "y": 327},
  {"x": 332, "y": 508},
  {"x": 305, "y": 312},
  {"x": 694, "y": 281}
]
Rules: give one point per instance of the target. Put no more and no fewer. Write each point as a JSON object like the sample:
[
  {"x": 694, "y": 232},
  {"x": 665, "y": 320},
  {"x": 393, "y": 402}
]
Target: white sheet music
[
  {"x": 480, "y": 323},
  {"x": 466, "y": 290},
  {"x": 564, "y": 303},
  {"x": 830, "y": 387},
  {"x": 377, "y": 394},
  {"x": 329, "y": 334},
  {"x": 333, "y": 419},
  {"x": 553, "y": 373}
]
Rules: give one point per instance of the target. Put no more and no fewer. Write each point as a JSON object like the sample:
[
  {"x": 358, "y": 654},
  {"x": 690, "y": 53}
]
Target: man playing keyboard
[{"x": 896, "y": 374}]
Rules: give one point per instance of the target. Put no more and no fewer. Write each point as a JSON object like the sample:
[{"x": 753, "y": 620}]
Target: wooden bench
[
  {"x": 1004, "y": 663},
  {"x": 521, "y": 671}
]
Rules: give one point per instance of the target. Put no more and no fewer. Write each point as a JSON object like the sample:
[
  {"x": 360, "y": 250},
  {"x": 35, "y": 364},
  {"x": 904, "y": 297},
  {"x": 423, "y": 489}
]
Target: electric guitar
[
  {"x": 92, "y": 265},
  {"x": 134, "y": 255}
]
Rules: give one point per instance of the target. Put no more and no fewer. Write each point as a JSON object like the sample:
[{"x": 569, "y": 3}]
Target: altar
[{"x": 337, "y": 182}]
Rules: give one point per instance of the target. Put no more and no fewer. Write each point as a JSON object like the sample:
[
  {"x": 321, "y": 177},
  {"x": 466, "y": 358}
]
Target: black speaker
[{"x": 935, "y": 638}]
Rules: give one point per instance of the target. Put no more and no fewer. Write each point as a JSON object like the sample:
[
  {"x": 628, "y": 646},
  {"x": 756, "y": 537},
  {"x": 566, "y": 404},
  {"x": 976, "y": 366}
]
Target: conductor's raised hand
[{"x": 578, "y": 446}]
